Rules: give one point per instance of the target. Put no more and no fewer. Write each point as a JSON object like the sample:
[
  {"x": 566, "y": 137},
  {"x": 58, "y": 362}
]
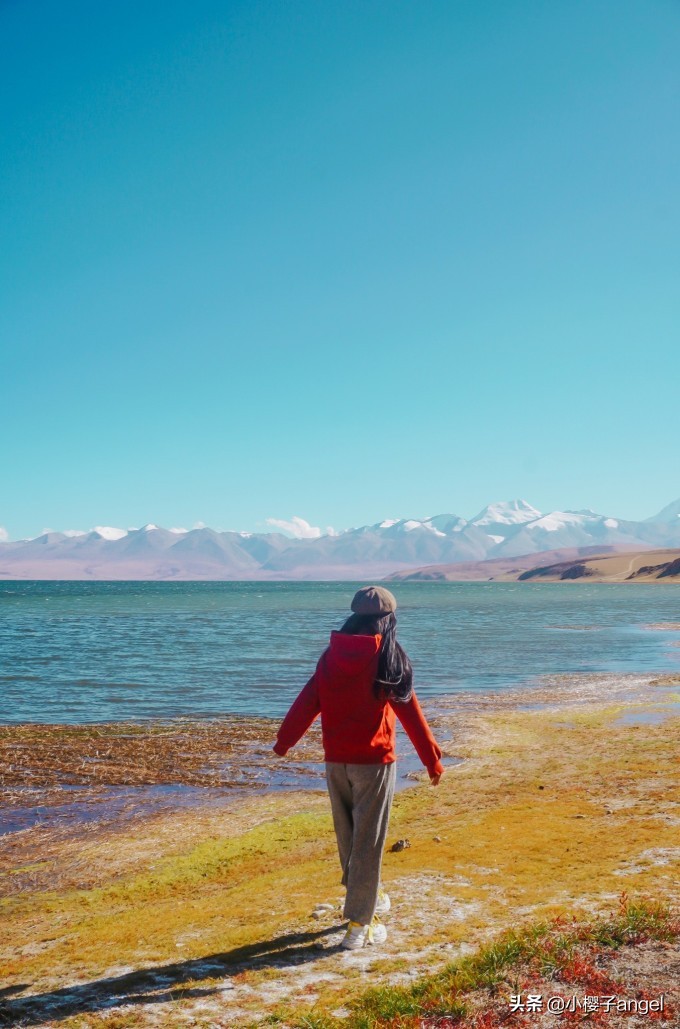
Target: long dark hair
[{"x": 394, "y": 678}]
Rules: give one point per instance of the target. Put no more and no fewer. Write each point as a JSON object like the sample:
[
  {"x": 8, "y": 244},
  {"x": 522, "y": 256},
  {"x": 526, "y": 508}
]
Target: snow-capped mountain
[
  {"x": 501, "y": 530},
  {"x": 509, "y": 512},
  {"x": 500, "y": 521}
]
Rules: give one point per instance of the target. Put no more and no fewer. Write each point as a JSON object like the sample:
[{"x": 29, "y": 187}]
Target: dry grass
[{"x": 224, "y": 752}]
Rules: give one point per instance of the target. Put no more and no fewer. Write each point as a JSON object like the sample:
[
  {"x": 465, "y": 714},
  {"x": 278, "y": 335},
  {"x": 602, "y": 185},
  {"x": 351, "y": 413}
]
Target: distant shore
[{"x": 576, "y": 564}]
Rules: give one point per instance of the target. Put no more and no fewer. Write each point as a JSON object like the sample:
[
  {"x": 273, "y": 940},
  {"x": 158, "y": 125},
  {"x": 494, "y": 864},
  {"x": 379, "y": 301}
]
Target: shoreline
[
  {"x": 196, "y": 764},
  {"x": 222, "y": 758}
]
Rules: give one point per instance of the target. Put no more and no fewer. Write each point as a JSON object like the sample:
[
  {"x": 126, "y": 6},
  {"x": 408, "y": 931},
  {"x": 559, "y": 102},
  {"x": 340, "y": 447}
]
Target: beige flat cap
[{"x": 373, "y": 600}]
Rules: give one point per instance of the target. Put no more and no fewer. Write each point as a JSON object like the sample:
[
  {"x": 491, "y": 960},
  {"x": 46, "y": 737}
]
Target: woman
[{"x": 363, "y": 679}]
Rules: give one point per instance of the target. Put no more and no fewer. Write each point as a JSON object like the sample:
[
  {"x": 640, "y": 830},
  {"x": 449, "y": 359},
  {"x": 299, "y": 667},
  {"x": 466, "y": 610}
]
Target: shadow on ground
[{"x": 162, "y": 983}]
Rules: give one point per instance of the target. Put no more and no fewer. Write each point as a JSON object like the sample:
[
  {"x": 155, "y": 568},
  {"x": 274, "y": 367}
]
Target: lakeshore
[{"x": 564, "y": 796}]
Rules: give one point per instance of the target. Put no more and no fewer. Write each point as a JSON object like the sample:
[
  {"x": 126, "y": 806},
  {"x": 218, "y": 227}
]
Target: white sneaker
[
  {"x": 359, "y": 935},
  {"x": 384, "y": 904}
]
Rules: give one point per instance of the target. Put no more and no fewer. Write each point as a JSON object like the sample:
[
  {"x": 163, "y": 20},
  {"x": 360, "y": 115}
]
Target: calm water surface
[{"x": 81, "y": 652}]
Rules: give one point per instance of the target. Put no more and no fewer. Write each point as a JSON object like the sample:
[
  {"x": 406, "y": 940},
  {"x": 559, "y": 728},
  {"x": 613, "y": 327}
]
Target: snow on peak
[
  {"x": 388, "y": 523},
  {"x": 496, "y": 539},
  {"x": 507, "y": 512},
  {"x": 108, "y": 532},
  {"x": 410, "y": 525},
  {"x": 445, "y": 523},
  {"x": 433, "y": 528},
  {"x": 559, "y": 519},
  {"x": 148, "y": 528}
]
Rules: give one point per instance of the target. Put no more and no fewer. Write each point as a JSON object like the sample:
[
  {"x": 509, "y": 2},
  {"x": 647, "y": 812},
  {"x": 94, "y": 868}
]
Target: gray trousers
[{"x": 361, "y": 798}]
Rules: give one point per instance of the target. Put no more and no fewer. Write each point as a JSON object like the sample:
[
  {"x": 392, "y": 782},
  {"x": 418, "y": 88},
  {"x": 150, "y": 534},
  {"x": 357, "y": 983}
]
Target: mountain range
[{"x": 501, "y": 530}]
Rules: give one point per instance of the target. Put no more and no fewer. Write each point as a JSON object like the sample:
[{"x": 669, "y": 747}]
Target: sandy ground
[{"x": 564, "y": 796}]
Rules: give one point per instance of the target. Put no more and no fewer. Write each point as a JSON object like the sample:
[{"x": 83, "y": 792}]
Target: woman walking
[{"x": 362, "y": 680}]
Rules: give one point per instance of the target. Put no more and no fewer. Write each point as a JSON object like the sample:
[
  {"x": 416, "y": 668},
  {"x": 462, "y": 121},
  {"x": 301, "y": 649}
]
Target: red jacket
[{"x": 357, "y": 727}]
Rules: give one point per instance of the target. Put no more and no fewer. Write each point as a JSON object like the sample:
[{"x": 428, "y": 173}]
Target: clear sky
[{"x": 338, "y": 260}]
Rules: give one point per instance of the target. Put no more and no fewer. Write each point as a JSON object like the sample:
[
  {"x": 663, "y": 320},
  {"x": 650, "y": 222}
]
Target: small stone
[
  {"x": 400, "y": 845},
  {"x": 437, "y": 839},
  {"x": 322, "y": 909}
]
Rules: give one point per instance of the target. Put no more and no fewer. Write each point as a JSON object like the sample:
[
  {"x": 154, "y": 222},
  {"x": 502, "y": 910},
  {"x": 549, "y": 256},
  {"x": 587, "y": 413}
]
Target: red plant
[
  {"x": 581, "y": 970},
  {"x": 668, "y": 1011}
]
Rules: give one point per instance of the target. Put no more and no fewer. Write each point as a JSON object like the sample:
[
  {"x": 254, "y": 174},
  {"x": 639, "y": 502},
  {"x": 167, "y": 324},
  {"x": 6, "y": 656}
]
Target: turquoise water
[{"x": 81, "y": 652}]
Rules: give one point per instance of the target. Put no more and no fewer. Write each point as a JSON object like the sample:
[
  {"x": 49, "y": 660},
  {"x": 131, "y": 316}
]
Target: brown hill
[
  {"x": 508, "y": 569},
  {"x": 596, "y": 564},
  {"x": 637, "y": 566}
]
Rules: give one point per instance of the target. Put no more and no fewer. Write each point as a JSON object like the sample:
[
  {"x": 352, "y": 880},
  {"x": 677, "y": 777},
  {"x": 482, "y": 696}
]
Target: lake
[{"x": 101, "y": 651}]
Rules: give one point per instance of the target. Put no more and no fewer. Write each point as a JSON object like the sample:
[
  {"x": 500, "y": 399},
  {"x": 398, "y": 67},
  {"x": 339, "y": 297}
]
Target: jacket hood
[{"x": 351, "y": 654}]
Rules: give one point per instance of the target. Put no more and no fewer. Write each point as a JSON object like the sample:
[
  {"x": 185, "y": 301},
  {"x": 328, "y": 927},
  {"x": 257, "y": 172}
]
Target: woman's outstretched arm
[
  {"x": 411, "y": 716},
  {"x": 302, "y": 713}
]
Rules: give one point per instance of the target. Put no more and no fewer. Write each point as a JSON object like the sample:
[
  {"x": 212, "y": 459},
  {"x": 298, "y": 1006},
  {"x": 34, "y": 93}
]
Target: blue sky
[{"x": 344, "y": 261}]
